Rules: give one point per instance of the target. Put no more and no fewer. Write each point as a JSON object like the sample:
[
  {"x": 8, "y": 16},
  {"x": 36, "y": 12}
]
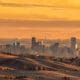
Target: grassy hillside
[{"x": 30, "y": 67}]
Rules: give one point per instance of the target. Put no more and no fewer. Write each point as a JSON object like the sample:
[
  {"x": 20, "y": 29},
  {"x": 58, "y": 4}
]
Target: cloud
[
  {"x": 4, "y": 4},
  {"x": 24, "y": 5},
  {"x": 27, "y": 23},
  {"x": 57, "y": 4}
]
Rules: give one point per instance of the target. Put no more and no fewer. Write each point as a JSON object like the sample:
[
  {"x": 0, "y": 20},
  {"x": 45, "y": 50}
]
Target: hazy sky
[{"x": 40, "y": 18}]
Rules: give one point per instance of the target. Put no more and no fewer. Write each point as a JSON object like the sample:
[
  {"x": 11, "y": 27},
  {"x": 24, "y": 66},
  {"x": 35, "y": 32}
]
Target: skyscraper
[
  {"x": 73, "y": 43},
  {"x": 33, "y": 42}
]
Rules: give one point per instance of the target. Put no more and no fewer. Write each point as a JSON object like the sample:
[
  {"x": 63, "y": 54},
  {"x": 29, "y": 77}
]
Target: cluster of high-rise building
[
  {"x": 57, "y": 48},
  {"x": 66, "y": 51},
  {"x": 39, "y": 47},
  {"x": 14, "y": 48}
]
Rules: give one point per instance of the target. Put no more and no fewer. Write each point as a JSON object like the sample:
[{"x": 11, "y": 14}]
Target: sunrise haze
[{"x": 51, "y": 18}]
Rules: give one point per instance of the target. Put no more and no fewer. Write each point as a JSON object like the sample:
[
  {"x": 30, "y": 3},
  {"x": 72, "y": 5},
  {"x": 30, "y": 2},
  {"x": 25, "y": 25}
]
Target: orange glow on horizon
[
  {"x": 49, "y": 33},
  {"x": 37, "y": 10}
]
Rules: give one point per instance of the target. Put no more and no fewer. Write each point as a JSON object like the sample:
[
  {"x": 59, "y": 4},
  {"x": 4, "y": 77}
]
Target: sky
[{"x": 55, "y": 19}]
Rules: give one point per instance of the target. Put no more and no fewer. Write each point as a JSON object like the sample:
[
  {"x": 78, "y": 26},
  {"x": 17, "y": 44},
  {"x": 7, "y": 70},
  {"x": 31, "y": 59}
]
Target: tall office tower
[
  {"x": 73, "y": 43},
  {"x": 33, "y": 42}
]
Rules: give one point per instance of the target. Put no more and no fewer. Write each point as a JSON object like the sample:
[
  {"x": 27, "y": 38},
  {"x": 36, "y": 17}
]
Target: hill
[{"x": 32, "y": 67}]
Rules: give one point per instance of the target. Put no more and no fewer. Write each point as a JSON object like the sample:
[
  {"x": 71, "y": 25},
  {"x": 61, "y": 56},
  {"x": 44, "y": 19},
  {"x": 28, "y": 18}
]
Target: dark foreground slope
[{"x": 32, "y": 67}]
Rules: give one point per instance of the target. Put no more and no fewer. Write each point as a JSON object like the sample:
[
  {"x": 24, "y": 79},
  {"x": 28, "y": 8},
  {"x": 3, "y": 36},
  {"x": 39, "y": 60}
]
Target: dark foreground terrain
[{"x": 30, "y": 67}]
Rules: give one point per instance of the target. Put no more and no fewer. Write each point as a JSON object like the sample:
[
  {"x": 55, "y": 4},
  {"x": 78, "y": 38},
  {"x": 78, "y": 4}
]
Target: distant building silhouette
[
  {"x": 37, "y": 46},
  {"x": 33, "y": 42},
  {"x": 73, "y": 43},
  {"x": 55, "y": 47}
]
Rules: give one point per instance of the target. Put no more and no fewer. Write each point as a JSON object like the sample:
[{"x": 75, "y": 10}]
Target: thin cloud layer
[
  {"x": 22, "y": 5},
  {"x": 6, "y": 4},
  {"x": 39, "y": 10},
  {"x": 42, "y": 24}
]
